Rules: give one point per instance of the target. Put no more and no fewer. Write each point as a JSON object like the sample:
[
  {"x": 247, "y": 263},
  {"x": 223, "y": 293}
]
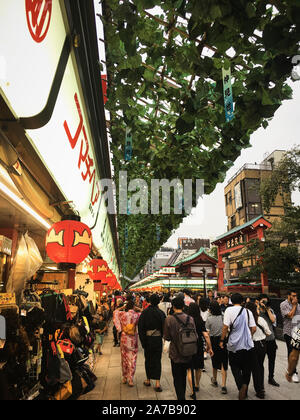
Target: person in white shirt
[
  {"x": 240, "y": 345},
  {"x": 165, "y": 304},
  {"x": 260, "y": 349}
]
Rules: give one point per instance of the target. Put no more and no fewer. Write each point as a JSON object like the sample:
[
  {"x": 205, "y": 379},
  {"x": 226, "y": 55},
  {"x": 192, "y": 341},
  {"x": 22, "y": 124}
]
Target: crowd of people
[{"x": 234, "y": 331}]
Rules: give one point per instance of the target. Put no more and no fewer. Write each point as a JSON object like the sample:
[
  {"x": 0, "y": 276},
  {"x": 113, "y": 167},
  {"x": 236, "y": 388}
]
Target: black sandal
[
  {"x": 158, "y": 389},
  {"x": 147, "y": 383}
]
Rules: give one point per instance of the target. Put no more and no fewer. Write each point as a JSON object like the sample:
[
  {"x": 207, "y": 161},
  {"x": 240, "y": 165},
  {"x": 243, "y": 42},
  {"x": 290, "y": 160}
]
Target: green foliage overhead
[{"x": 165, "y": 83}]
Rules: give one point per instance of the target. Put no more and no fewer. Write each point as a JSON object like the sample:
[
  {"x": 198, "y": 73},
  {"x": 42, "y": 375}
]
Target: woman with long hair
[
  {"x": 126, "y": 323},
  {"x": 259, "y": 339},
  {"x": 214, "y": 325},
  {"x": 197, "y": 362}
]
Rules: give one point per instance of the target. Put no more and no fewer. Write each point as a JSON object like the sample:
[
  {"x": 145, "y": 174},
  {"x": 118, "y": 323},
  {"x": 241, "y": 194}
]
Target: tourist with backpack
[{"x": 180, "y": 330}]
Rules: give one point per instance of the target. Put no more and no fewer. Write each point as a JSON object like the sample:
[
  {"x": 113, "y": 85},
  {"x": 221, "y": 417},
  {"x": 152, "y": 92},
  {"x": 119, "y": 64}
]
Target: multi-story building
[
  {"x": 193, "y": 243},
  {"x": 242, "y": 193},
  {"x": 160, "y": 258},
  {"x": 247, "y": 219}
]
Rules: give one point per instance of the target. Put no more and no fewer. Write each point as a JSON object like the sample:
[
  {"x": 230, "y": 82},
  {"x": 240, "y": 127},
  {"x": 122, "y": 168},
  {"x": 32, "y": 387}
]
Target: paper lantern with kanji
[
  {"x": 69, "y": 241},
  {"x": 97, "y": 269},
  {"x": 109, "y": 277}
]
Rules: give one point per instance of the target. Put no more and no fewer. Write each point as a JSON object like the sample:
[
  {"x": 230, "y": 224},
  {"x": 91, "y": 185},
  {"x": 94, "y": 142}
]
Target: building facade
[{"x": 243, "y": 200}]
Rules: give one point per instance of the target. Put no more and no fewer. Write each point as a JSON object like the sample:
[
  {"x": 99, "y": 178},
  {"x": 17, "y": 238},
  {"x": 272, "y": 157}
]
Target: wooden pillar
[
  {"x": 220, "y": 266},
  {"x": 264, "y": 276},
  {"x": 71, "y": 278}
]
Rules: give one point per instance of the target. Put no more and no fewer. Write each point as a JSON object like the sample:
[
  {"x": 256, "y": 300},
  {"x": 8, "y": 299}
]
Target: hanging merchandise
[
  {"x": 69, "y": 241},
  {"x": 35, "y": 258},
  {"x": 128, "y": 145},
  {"x": 20, "y": 269},
  {"x": 228, "y": 98}
]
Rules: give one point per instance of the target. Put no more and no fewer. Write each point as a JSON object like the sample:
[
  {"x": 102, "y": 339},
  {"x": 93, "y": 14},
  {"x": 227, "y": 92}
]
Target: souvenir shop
[
  {"x": 58, "y": 244},
  {"x": 47, "y": 332}
]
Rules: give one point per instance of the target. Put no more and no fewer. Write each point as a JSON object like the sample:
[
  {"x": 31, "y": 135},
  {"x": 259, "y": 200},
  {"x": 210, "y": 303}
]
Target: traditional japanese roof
[
  {"x": 194, "y": 256},
  {"x": 251, "y": 222}
]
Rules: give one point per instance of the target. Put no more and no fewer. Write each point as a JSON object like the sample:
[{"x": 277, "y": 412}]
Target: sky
[{"x": 208, "y": 219}]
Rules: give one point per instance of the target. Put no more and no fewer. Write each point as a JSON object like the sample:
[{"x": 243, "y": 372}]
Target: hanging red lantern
[
  {"x": 69, "y": 241},
  {"x": 97, "y": 269},
  {"x": 109, "y": 278}
]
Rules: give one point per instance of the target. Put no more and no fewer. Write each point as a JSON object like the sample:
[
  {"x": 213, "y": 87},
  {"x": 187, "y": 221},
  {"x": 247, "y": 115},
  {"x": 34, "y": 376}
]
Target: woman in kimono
[{"x": 126, "y": 323}]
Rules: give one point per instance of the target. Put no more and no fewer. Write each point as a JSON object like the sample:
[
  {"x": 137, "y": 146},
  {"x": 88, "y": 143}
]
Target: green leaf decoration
[{"x": 164, "y": 61}]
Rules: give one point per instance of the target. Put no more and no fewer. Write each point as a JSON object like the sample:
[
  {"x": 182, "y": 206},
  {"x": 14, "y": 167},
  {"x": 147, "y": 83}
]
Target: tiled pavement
[{"x": 109, "y": 386}]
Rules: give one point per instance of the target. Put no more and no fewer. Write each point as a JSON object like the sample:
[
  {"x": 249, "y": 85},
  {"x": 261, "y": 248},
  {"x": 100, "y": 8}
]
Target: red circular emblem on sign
[{"x": 38, "y": 14}]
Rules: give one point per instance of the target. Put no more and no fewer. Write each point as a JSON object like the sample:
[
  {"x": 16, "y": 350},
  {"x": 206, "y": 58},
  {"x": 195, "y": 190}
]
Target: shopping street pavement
[{"x": 109, "y": 386}]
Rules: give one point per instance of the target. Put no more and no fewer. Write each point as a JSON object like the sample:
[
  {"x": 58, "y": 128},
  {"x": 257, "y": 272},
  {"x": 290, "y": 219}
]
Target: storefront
[
  {"x": 197, "y": 273},
  {"x": 231, "y": 262},
  {"x": 53, "y": 154}
]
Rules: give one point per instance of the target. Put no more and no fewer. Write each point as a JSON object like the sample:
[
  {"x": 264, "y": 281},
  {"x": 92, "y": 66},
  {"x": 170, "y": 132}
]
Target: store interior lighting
[{"x": 21, "y": 203}]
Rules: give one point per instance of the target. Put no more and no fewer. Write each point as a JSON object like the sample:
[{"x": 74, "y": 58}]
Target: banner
[{"x": 228, "y": 98}]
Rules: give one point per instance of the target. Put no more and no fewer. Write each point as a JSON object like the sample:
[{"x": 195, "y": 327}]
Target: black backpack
[{"x": 187, "y": 338}]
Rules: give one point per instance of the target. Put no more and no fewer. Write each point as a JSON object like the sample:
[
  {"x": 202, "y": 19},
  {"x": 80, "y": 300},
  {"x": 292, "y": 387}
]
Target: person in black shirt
[
  {"x": 197, "y": 362},
  {"x": 150, "y": 328}
]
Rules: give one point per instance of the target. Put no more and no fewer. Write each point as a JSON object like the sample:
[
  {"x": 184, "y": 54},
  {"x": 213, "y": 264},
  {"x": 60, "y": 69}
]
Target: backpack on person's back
[{"x": 187, "y": 344}]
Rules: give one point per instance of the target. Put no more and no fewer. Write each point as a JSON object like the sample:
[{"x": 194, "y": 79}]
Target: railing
[{"x": 251, "y": 166}]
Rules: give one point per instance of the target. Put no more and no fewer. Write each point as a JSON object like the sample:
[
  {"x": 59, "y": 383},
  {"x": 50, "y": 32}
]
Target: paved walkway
[{"x": 109, "y": 386}]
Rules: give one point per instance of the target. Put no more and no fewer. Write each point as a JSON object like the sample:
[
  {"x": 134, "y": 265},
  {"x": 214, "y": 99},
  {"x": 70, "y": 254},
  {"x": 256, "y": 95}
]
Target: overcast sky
[{"x": 208, "y": 219}]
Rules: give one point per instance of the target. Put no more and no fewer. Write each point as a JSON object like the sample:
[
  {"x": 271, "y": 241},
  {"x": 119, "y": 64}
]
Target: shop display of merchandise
[{"x": 48, "y": 352}]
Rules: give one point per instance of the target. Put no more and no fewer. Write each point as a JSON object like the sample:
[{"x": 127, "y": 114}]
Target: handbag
[
  {"x": 66, "y": 346},
  {"x": 64, "y": 392}
]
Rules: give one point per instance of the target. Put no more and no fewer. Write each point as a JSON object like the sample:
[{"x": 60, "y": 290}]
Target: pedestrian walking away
[
  {"x": 179, "y": 363},
  {"x": 240, "y": 344},
  {"x": 197, "y": 362},
  {"x": 214, "y": 326},
  {"x": 126, "y": 323},
  {"x": 267, "y": 313},
  {"x": 259, "y": 352},
  {"x": 150, "y": 330}
]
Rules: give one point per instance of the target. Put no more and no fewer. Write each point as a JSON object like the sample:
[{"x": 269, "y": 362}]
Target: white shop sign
[{"x": 33, "y": 33}]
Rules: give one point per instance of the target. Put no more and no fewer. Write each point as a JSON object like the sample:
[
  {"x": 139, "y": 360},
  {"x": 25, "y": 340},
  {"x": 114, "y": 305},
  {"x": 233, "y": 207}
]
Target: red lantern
[
  {"x": 97, "y": 269},
  {"x": 110, "y": 277},
  {"x": 69, "y": 241}
]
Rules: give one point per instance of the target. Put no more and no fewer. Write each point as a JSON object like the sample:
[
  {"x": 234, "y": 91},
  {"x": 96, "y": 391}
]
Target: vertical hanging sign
[
  {"x": 126, "y": 236},
  {"x": 228, "y": 98},
  {"x": 128, "y": 145},
  {"x": 157, "y": 233}
]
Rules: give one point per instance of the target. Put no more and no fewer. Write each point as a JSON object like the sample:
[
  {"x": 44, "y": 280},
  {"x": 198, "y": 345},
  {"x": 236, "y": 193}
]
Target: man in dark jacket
[
  {"x": 179, "y": 364},
  {"x": 150, "y": 327}
]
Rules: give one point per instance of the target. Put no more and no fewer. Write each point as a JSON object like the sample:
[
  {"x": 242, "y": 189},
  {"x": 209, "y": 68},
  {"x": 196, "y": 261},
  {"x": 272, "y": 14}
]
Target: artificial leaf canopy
[{"x": 164, "y": 61}]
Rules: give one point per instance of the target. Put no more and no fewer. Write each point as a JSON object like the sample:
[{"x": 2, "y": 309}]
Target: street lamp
[{"x": 204, "y": 280}]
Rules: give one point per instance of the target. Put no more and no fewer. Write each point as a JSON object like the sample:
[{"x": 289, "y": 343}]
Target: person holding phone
[{"x": 290, "y": 311}]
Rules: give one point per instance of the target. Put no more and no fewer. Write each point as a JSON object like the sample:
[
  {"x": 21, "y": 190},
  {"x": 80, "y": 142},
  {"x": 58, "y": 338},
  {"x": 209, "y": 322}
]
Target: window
[
  {"x": 228, "y": 198},
  {"x": 233, "y": 222},
  {"x": 255, "y": 208}
]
